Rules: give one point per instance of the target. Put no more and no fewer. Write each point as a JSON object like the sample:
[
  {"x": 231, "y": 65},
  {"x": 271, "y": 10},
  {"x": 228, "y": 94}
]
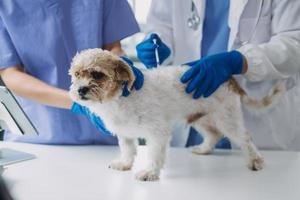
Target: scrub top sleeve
[
  {"x": 8, "y": 54},
  {"x": 119, "y": 21}
]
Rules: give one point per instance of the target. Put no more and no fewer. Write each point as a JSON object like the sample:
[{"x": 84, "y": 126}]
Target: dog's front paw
[
  {"x": 120, "y": 165},
  {"x": 147, "y": 175},
  {"x": 256, "y": 164},
  {"x": 201, "y": 150}
]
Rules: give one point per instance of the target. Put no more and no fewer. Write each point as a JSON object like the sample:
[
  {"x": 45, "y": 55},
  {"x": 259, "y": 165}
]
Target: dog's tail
[{"x": 266, "y": 102}]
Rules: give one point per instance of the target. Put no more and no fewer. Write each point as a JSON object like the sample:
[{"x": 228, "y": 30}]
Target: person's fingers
[
  {"x": 146, "y": 47},
  {"x": 97, "y": 121},
  {"x": 213, "y": 87},
  {"x": 211, "y": 90},
  {"x": 147, "y": 55},
  {"x": 196, "y": 81},
  {"x": 139, "y": 79},
  {"x": 205, "y": 84},
  {"x": 156, "y": 37},
  {"x": 163, "y": 52},
  {"x": 149, "y": 63},
  {"x": 190, "y": 74},
  {"x": 153, "y": 36},
  {"x": 125, "y": 92},
  {"x": 192, "y": 63},
  {"x": 77, "y": 108},
  {"x": 147, "y": 58},
  {"x": 139, "y": 47}
]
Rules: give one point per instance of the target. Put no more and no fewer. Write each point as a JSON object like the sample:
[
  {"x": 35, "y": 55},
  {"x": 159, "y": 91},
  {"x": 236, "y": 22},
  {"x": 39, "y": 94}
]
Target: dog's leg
[
  {"x": 210, "y": 134},
  {"x": 128, "y": 152},
  {"x": 233, "y": 127},
  {"x": 157, "y": 147},
  {"x": 243, "y": 139},
  {"x": 255, "y": 159}
]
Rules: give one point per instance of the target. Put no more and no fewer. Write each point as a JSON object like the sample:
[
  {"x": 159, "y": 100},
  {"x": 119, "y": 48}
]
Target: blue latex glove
[
  {"x": 207, "y": 74},
  {"x": 146, "y": 51},
  {"x": 139, "y": 77},
  {"x": 79, "y": 109}
]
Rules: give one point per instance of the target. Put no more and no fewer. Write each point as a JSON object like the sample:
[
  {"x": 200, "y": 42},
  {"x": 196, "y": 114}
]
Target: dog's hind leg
[
  {"x": 128, "y": 152},
  {"x": 157, "y": 147},
  {"x": 233, "y": 127},
  {"x": 211, "y": 135},
  {"x": 255, "y": 159},
  {"x": 243, "y": 139}
]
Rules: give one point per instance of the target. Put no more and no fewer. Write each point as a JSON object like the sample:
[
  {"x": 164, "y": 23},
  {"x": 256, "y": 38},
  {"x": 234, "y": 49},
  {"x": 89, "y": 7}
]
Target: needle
[{"x": 156, "y": 52}]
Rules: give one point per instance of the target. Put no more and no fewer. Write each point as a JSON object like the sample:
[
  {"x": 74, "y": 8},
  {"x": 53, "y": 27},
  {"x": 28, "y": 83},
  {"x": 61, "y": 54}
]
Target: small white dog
[{"x": 150, "y": 113}]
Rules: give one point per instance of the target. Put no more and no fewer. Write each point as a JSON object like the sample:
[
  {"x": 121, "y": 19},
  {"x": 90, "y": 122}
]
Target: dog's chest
[{"x": 119, "y": 120}]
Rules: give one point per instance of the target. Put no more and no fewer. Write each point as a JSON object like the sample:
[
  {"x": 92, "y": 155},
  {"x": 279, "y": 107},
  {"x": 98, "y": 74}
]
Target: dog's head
[{"x": 99, "y": 76}]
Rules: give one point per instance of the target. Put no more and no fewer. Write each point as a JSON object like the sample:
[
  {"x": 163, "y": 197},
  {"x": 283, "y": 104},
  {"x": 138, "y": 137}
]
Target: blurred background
[{"x": 141, "y": 9}]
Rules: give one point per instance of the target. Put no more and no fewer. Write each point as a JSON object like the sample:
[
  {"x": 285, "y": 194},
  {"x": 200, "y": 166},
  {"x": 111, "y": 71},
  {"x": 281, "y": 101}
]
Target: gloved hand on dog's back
[
  {"x": 146, "y": 51},
  {"x": 207, "y": 74},
  {"x": 137, "y": 85}
]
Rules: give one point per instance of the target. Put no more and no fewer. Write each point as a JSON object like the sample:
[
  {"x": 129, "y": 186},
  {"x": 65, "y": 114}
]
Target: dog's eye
[
  {"x": 97, "y": 75},
  {"x": 76, "y": 74}
]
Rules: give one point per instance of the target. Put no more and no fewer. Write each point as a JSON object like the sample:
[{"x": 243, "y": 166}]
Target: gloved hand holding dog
[
  {"x": 137, "y": 85},
  {"x": 207, "y": 74}
]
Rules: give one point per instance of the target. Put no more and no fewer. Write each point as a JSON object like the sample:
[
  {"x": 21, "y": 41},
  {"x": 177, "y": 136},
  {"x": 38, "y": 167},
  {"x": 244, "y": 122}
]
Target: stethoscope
[{"x": 194, "y": 20}]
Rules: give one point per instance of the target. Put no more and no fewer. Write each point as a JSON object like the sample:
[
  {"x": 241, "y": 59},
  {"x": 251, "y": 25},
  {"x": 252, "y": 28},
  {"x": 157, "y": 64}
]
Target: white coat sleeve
[
  {"x": 159, "y": 21},
  {"x": 280, "y": 57}
]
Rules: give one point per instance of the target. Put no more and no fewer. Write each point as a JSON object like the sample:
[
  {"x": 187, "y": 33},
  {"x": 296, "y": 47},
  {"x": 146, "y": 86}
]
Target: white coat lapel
[{"x": 235, "y": 12}]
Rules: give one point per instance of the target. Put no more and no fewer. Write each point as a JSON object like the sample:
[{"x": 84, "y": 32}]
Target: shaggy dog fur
[{"x": 97, "y": 82}]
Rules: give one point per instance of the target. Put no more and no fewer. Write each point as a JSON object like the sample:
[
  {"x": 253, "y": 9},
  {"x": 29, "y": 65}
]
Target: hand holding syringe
[{"x": 153, "y": 51}]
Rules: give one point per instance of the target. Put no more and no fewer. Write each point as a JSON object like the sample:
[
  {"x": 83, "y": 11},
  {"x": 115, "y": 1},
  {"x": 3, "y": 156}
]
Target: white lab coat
[{"x": 267, "y": 33}]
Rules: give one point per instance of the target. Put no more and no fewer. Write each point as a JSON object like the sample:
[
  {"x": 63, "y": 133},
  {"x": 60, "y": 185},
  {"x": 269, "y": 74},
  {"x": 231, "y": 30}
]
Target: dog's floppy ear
[{"x": 124, "y": 73}]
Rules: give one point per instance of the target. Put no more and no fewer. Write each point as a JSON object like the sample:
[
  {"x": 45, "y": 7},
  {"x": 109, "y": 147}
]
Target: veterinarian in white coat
[{"x": 267, "y": 33}]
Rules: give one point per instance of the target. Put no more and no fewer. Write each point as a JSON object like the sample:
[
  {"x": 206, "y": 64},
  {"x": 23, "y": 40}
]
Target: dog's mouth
[
  {"x": 84, "y": 98},
  {"x": 88, "y": 92},
  {"x": 88, "y": 97}
]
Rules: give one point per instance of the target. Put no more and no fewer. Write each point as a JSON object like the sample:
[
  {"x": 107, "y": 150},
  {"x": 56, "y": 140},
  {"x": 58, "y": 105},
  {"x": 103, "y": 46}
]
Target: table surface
[{"x": 82, "y": 173}]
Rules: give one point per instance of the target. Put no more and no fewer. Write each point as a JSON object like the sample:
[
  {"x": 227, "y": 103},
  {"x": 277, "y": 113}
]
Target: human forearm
[
  {"x": 276, "y": 59},
  {"x": 34, "y": 89},
  {"x": 279, "y": 57},
  {"x": 115, "y": 48}
]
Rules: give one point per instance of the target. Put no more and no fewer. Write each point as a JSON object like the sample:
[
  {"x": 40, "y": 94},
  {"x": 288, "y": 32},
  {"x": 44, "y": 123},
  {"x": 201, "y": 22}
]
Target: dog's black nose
[{"x": 83, "y": 90}]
